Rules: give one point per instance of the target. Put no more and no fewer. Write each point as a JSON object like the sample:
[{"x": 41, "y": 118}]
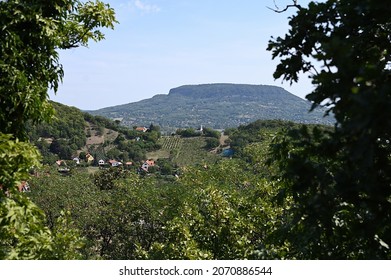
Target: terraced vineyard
[
  {"x": 192, "y": 151},
  {"x": 184, "y": 151},
  {"x": 170, "y": 142}
]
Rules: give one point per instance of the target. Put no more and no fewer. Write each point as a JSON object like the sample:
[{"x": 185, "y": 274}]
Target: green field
[{"x": 184, "y": 151}]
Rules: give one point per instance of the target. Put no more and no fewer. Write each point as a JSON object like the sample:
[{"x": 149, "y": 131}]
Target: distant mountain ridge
[
  {"x": 210, "y": 91},
  {"x": 217, "y": 106}
]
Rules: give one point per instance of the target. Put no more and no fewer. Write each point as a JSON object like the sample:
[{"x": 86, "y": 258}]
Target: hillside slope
[
  {"x": 74, "y": 132},
  {"x": 216, "y": 106}
]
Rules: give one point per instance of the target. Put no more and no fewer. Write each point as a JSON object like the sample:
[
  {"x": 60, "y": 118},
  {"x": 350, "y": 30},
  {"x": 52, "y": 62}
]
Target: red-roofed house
[
  {"x": 141, "y": 128},
  {"x": 148, "y": 163},
  {"x": 114, "y": 163}
]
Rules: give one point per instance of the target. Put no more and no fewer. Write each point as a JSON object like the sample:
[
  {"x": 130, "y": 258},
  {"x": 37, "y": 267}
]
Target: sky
[{"x": 163, "y": 44}]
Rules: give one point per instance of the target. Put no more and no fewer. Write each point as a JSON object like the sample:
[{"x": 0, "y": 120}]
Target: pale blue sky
[{"x": 162, "y": 44}]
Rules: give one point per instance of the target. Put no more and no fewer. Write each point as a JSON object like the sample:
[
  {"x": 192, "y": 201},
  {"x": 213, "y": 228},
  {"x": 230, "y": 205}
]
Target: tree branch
[{"x": 278, "y": 10}]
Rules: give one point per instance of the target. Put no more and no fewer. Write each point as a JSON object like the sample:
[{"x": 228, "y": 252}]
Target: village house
[
  {"x": 24, "y": 187},
  {"x": 141, "y": 129},
  {"x": 89, "y": 158},
  {"x": 114, "y": 163},
  {"x": 76, "y": 160},
  {"x": 148, "y": 163}
]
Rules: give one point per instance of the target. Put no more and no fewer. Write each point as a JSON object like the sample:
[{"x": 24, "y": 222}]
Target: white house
[{"x": 148, "y": 163}]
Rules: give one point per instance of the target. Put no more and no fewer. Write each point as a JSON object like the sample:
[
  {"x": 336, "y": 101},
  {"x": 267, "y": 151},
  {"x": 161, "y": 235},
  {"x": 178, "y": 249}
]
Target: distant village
[
  {"x": 63, "y": 167},
  {"x": 102, "y": 162}
]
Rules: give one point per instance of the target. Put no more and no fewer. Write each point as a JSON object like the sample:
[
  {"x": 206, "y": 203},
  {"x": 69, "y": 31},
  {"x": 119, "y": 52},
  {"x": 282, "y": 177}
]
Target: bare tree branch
[{"x": 278, "y": 10}]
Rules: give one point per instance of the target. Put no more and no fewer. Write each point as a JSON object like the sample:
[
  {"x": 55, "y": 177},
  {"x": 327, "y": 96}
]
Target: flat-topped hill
[{"x": 216, "y": 106}]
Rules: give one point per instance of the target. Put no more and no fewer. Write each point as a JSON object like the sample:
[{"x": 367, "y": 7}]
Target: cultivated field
[
  {"x": 183, "y": 151},
  {"x": 170, "y": 142}
]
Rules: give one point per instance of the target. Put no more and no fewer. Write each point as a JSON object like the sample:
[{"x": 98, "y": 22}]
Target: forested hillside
[
  {"x": 31, "y": 35},
  {"x": 216, "y": 106},
  {"x": 73, "y": 133}
]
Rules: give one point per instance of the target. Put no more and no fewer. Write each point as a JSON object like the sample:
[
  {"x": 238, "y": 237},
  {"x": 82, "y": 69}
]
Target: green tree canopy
[
  {"x": 31, "y": 33},
  {"x": 340, "y": 180}
]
